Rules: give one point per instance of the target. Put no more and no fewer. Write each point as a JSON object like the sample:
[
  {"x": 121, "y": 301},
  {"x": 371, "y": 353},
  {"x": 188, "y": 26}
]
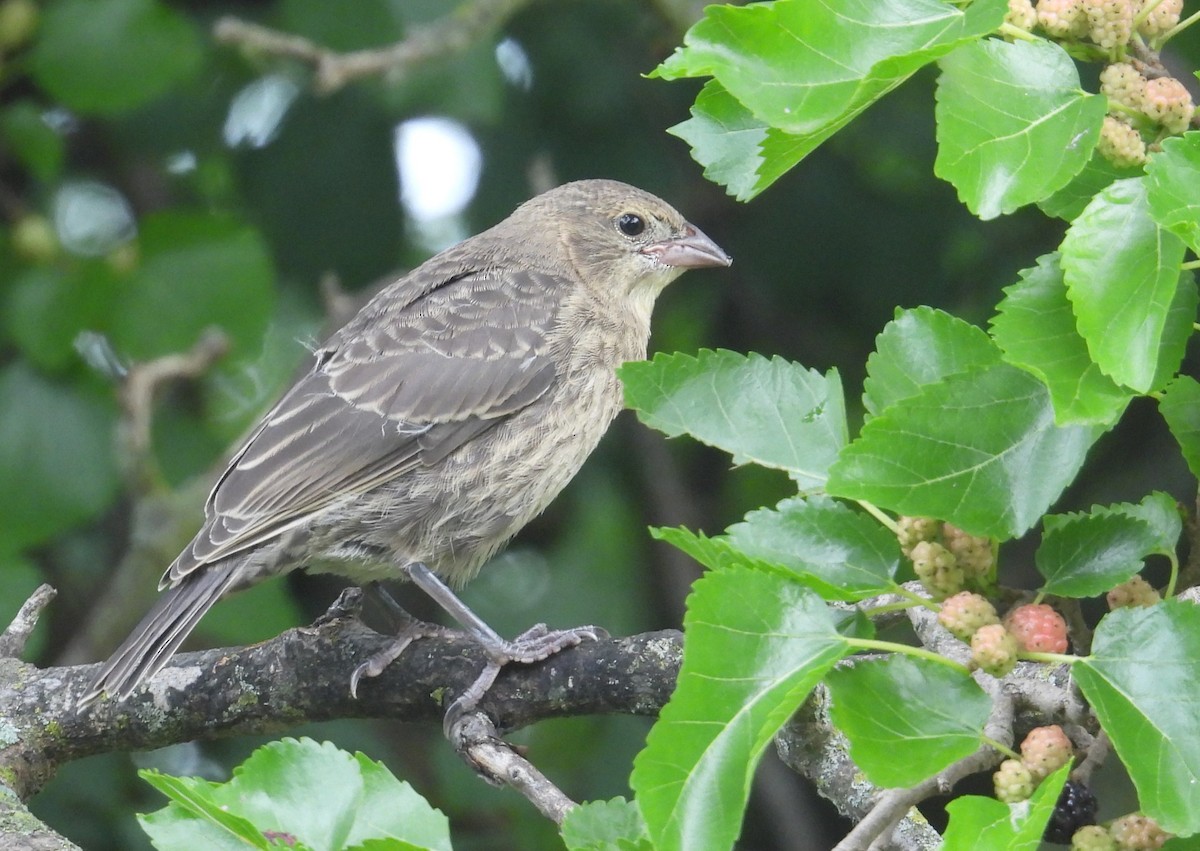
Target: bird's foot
[
  {"x": 534, "y": 645},
  {"x": 378, "y": 662}
]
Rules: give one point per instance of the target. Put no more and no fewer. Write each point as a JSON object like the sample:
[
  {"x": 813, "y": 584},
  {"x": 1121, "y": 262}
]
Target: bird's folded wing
[{"x": 419, "y": 380}]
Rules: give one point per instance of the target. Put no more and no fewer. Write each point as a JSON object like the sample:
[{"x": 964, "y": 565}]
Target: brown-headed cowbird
[{"x": 439, "y": 420}]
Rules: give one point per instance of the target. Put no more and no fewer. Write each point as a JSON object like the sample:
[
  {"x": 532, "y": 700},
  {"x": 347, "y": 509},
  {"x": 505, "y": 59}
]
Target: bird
[{"x": 438, "y": 421}]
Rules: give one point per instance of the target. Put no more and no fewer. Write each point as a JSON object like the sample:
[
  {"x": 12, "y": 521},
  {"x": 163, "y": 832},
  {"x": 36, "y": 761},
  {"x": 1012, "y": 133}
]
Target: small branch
[
  {"x": 452, "y": 34},
  {"x": 16, "y": 634},
  {"x": 138, "y": 388},
  {"x": 477, "y": 741}
]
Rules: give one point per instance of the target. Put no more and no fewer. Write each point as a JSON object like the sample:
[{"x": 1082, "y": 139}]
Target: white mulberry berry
[
  {"x": 1168, "y": 102},
  {"x": 1120, "y": 144}
]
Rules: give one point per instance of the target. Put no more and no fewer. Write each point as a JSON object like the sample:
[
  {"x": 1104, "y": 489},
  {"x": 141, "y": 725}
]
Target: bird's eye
[{"x": 631, "y": 224}]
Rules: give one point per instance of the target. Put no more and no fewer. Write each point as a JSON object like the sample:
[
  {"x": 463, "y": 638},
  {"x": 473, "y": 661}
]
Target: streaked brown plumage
[{"x": 440, "y": 419}]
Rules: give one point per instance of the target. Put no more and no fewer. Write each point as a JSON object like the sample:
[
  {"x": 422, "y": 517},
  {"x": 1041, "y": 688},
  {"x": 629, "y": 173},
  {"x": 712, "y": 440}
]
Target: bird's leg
[{"x": 533, "y": 645}]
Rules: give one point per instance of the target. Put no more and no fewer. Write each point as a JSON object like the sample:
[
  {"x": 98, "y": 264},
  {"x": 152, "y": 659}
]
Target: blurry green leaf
[
  {"x": 1122, "y": 274},
  {"x": 768, "y": 412},
  {"x": 104, "y": 57},
  {"x": 1013, "y": 125},
  {"x": 1088, "y": 554},
  {"x": 56, "y": 457},
  {"x": 919, "y": 347},
  {"x": 906, "y": 718},
  {"x": 807, "y": 69},
  {"x": 321, "y": 796},
  {"x": 755, "y": 645},
  {"x": 1036, "y": 328},
  {"x": 38, "y": 147},
  {"x": 979, "y": 449},
  {"x": 977, "y": 822},
  {"x": 1070, "y": 201},
  {"x": 614, "y": 825},
  {"x": 1141, "y": 682},
  {"x": 840, "y": 553},
  {"x": 50, "y": 305},
  {"x": 1173, "y": 187},
  {"x": 1180, "y": 406},
  {"x": 197, "y": 271}
]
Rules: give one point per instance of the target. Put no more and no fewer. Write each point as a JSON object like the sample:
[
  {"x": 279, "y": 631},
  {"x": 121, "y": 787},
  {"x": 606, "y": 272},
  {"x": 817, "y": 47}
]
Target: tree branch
[{"x": 302, "y": 676}]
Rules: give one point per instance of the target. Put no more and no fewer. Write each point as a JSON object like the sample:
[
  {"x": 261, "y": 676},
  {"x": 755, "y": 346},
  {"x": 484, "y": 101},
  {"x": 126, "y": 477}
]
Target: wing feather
[{"x": 416, "y": 381}]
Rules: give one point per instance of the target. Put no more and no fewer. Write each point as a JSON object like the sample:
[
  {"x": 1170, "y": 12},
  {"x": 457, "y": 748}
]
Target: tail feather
[{"x": 162, "y": 630}]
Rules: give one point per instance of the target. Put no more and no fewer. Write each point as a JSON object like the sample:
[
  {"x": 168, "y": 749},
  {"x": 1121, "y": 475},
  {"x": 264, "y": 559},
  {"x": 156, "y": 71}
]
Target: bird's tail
[{"x": 162, "y": 630}]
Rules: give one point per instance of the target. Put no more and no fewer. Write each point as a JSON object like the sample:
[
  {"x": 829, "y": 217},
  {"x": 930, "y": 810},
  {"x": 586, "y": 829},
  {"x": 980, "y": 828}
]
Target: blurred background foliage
[{"x": 155, "y": 184}]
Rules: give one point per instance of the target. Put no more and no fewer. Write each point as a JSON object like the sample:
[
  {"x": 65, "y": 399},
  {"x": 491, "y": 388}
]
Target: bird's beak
[{"x": 693, "y": 250}]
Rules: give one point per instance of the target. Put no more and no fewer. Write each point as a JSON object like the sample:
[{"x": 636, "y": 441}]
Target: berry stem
[
  {"x": 917, "y": 599},
  {"x": 1191, "y": 264},
  {"x": 879, "y": 515},
  {"x": 1179, "y": 27},
  {"x": 1057, "y": 658},
  {"x": 1011, "y": 31},
  {"x": 908, "y": 650},
  {"x": 899, "y": 606},
  {"x": 1000, "y": 747},
  {"x": 1147, "y": 9},
  {"x": 1169, "y": 591}
]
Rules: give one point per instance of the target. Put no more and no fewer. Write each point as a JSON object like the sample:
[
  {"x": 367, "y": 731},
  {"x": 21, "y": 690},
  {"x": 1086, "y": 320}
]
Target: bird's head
[{"x": 622, "y": 239}]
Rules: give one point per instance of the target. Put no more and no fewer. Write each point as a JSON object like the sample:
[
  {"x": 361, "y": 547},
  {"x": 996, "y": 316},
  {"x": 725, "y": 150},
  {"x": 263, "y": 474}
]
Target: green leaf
[
  {"x": 738, "y": 150},
  {"x": 803, "y": 66},
  {"x": 921, "y": 347},
  {"x": 1122, "y": 274},
  {"x": 768, "y": 412},
  {"x": 977, "y": 822},
  {"x": 1013, "y": 125},
  {"x": 197, "y": 271},
  {"x": 1180, "y": 406},
  {"x": 614, "y": 825},
  {"x": 195, "y": 818},
  {"x": 325, "y": 798},
  {"x": 1036, "y": 328},
  {"x": 755, "y": 645},
  {"x": 1173, "y": 187},
  {"x": 39, "y": 148},
  {"x": 1084, "y": 555},
  {"x": 715, "y": 553},
  {"x": 56, "y": 457},
  {"x": 105, "y": 57},
  {"x": 49, "y": 306},
  {"x": 1070, "y": 201},
  {"x": 840, "y": 553},
  {"x": 806, "y": 70},
  {"x": 1141, "y": 681},
  {"x": 979, "y": 449},
  {"x": 1160, "y": 511},
  {"x": 906, "y": 718}
]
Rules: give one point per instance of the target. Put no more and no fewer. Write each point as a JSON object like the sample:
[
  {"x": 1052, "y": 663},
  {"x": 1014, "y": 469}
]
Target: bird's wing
[{"x": 404, "y": 384}]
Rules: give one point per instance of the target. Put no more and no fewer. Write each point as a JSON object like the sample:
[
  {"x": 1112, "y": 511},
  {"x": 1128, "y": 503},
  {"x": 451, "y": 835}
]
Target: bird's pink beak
[{"x": 693, "y": 250}]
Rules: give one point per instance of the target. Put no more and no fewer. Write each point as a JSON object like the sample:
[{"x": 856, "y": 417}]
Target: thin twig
[
  {"x": 138, "y": 389},
  {"x": 477, "y": 741},
  {"x": 16, "y": 634},
  {"x": 452, "y": 34}
]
